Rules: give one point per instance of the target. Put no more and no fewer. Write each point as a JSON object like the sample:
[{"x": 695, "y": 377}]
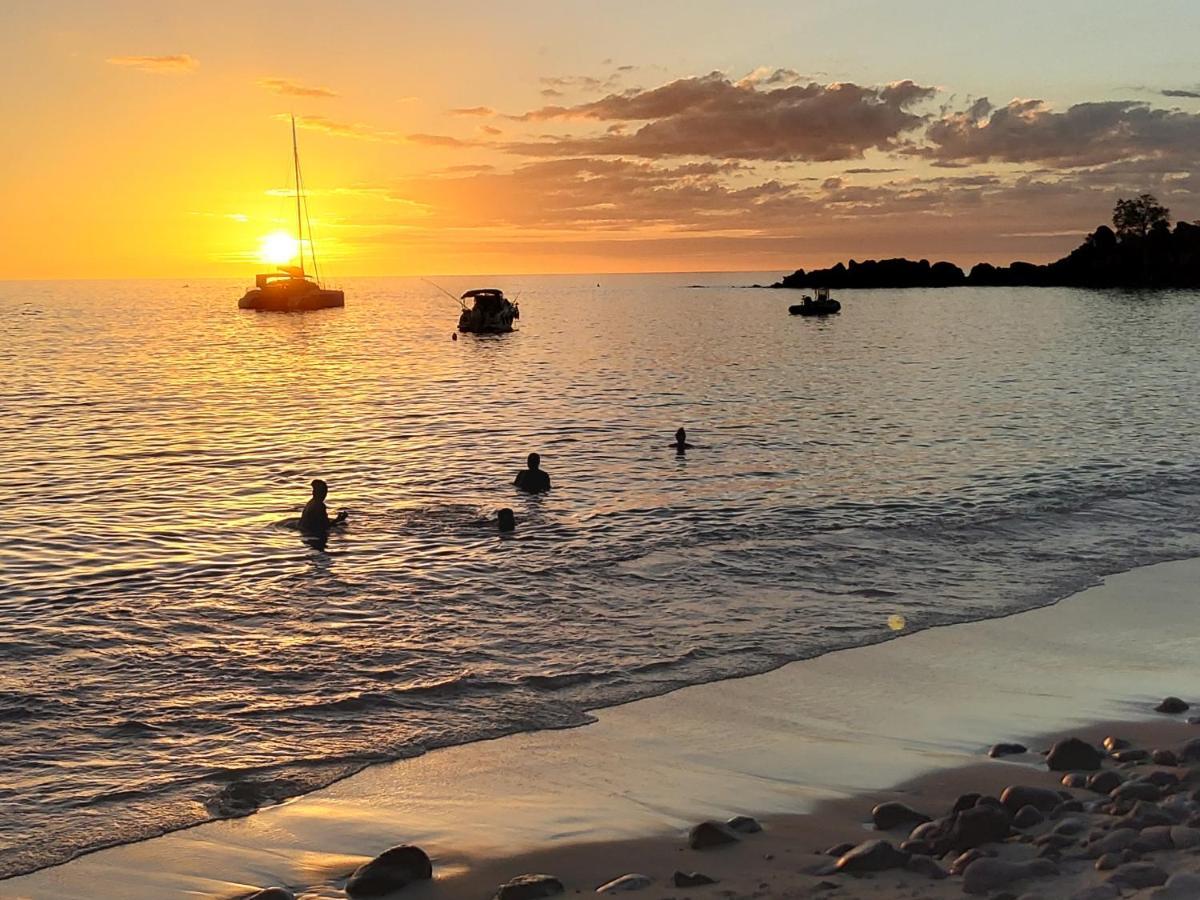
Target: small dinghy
[
  {"x": 490, "y": 312},
  {"x": 824, "y": 305}
]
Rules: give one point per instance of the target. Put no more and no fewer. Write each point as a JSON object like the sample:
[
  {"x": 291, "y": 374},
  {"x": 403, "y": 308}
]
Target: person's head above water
[
  {"x": 534, "y": 460},
  {"x": 506, "y": 520},
  {"x": 320, "y": 489},
  {"x": 681, "y": 436}
]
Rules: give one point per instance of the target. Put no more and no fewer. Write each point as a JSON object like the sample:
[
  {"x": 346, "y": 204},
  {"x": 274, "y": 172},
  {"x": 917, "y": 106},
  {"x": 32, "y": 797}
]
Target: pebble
[
  {"x": 1027, "y": 817},
  {"x": 1097, "y": 892},
  {"x": 1111, "y": 861},
  {"x": 1185, "y": 838},
  {"x": 1138, "y": 875},
  {"x": 711, "y": 834},
  {"x": 1132, "y": 755},
  {"x": 928, "y": 831},
  {"x": 1073, "y": 754},
  {"x": 1136, "y": 790},
  {"x": 1115, "y": 743},
  {"x": 744, "y": 825},
  {"x": 1153, "y": 839},
  {"x": 973, "y": 827},
  {"x": 691, "y": 879},
  {"x": 839, "y": 849},
  {"x": 1164, "y": 758},
  {"x": 887, "y": 816},
  {"x": 1180, "y": 886},
  {"x": 927, "y": 866},
  {"x": 1069, "y": 827},
  {"x": 872, "y": 856},
  {"x": 630, "y": 882},
  {"x": 1113, "y": 842},
  {"x": 391, "y": 870},
  {"x": 965, "y": 859},
  {"x": 1104, "y": 782},
  {"x": 1074, "y": 780},
  {"x": 965, "y": 801},
  {"x": 1018, "y": 795},
  {"x": 1190, "y": 752},
  {"x": 919, "y": 848},
  {"x": 1171, "y": 705},
  {"x": 529, "y": 887},
  {"x": 984, "y": 875}
]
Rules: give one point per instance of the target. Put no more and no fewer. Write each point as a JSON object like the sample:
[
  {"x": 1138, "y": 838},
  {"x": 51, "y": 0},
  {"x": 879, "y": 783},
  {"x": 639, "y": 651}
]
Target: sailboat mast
[{"x": 299, "y": 230}]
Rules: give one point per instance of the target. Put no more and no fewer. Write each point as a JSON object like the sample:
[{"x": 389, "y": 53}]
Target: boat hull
[
  {"x": 832, "y": 308},
  {"x": 272, "y": 301}
]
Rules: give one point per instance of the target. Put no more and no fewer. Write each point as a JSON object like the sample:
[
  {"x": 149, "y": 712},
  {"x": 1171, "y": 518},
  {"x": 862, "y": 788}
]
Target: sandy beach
[{"x": 809, "y": 749}]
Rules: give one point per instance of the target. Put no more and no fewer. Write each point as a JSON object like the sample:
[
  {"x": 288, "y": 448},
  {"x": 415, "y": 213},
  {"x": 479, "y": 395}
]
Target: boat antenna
[
  {"x": 312, "y": 244},
  {"x": 299, "y": 230},
  {"x": 457, "y": 300}
]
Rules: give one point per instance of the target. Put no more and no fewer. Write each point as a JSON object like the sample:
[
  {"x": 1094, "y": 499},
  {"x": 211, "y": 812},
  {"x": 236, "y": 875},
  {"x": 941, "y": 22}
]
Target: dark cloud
[
  {"x": 179, "y": 62},
  {"x": 1179, "y": 92},
  {"x": 1029, "y": 131},
  {"x": 713, "y": 116},
  {"x": 293, "y": 89}
]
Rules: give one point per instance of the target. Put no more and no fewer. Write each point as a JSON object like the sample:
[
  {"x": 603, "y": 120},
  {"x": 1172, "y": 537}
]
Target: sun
[{"x": 277, "y": 248}]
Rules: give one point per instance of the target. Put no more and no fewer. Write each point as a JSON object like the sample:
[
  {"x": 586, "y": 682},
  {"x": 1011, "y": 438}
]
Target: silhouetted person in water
[
  {"x": 506, "y": 520},
  {"x": 533, "y": 480},
  {"x": 315, "y": 521},
  {"x": 681, "y": 443}
]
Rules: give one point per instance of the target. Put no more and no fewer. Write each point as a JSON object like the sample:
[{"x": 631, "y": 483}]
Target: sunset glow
[
  {"x": 474, "y": 138},
  {"x": 278, "y": 248}
]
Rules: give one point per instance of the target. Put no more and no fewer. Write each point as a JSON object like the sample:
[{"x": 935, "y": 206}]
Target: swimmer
[
  {"x": 681, "y": 443},
  {"x": 533, "y": 480},
  {"x": 506, "y": 520},
  {"x": 315, "y": 521}
]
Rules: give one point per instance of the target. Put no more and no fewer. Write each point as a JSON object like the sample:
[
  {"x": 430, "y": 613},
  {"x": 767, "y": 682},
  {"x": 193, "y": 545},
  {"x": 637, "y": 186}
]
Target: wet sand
[{"x": 807, "y": 748}]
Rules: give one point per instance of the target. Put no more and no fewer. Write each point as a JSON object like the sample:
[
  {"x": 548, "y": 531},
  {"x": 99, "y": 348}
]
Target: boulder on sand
[
  {"x": 630, "y": 882},
  {"x": 1171, "y": 705},
  {"x": 986, "y": 875},
  {"x": 390, "y": 871},
  {"x": 1138, "y": 875},
  {"x": 872, "y": 856},
  {"x": 529, "y": 887},
  {"x": 974, "y": 827},
  {"x": 711, "y": 834},
  {"x": 691, "y": 879},
  {"x": 744, "y": 825},
  {"x": 887, "y": 816},
  {"x": 1016, "y": 796},
  {"x": 999, "y": 750},
  {"x": 1073, "y": 755}
]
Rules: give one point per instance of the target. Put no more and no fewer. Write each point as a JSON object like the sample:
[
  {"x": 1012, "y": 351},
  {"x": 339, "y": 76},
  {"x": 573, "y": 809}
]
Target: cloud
[
  {"x": 490, "y": 130},
  {"x": 712, "y": 116},
  {"x": 341, "y": 129},
  {"x": 293, "y": 89},
  {"x": 1029, "y": 131},
  {"x": 438, "y": 140},
  {"x": 1191, "y": 95},
  {"x": 473, "y": 111},
  {"x": 870, "y": 171},
  {"x": 178, "y": 63}
]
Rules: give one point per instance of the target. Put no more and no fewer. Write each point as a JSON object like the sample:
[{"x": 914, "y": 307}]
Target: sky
[{"x": 526, "y": 136}]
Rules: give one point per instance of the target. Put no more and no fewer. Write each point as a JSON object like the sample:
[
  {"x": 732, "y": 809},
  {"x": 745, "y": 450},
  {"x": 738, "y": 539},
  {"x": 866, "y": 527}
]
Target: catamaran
[{"x": 290, "y": 288}]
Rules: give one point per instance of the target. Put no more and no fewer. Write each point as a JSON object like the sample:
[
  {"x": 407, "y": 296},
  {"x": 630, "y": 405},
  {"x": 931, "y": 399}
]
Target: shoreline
[{"x": 774, "y": 744}]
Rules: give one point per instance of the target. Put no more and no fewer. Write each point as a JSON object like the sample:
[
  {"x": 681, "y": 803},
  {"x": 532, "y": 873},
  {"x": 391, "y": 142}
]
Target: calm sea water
[{"x": 169, "y": 652}]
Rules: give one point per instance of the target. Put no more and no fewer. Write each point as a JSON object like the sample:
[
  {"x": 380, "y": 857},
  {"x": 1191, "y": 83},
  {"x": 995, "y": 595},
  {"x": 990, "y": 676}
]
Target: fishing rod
[{"x": 457, "y": 300}]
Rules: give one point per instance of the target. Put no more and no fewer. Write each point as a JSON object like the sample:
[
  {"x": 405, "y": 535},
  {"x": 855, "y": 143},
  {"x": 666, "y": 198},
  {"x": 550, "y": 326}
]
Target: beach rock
[
  {"x": 1110, "y": 861},
  {"x": 630, "y": 882},
  {"x": 271, "y": 893},
  {"x": 529, "y": 887},
  {"x": 1154, "y": 839},
  {"x": 887, "y": 816},
  {"x": 924, "y": 865},
  {"x": 918, "y": 848},
  {"x": 1145, "y": 815},
  {"x": 1069, "y": 827},
  {"x": 1136, "y": 790},
  {"x": 1185, "y": 838},
  {"x": 1074, "y": 780},
  {"x": 984, "y": 875},
  {"x": 1104, "y": 782},
  {"x": 930, "y": 831},
  {"x": 1027, "y": 817},
  {"x": 1161, "y": 779},
  {"x": 965, "y": 801},
  {"x": 872, "y": 856},
  {"x": 965, "y": 859},
  {"x": 711, "y": 834},
  {"x": 390, "y": 871},
  {"x": 1114, "y": 842},
  {"x": 1073, "y": 754},
  {"x": 988, "y": 800},
  {"x": 1180, "y": 886},
  {"x": 1171, "y": 705},
  {"x": 1193, "y": 720},
  {"x": 839, "y": 849},
  {"x": 1054, "y": 841},
  {"x": 744, "y": 825},
  {"x": 973, "y": 827},
  {"x": 1164, "y": 758},
  {"x": 999, "y": 750},
  {"x": 1097, "y": 892},
  {"x": 1138, "y": 875},
  {"x": 1190, "y": 752},
  {"x": 1018, "y": 795},
  {"x": 1130, "y": 755},
  {"x": 1067, "y": 806},
  {"x": 691, "y": 879}
]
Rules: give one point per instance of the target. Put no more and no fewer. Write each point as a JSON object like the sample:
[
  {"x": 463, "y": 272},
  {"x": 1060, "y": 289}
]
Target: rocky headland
[{"x": 1141, "y": 250}]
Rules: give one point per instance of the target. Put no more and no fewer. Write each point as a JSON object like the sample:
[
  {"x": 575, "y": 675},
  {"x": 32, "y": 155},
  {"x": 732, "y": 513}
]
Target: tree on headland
[{"x": 1135, "y": 219}]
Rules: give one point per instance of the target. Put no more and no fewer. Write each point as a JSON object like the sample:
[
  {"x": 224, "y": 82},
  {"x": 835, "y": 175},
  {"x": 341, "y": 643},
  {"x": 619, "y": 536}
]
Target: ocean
[{"x": 171, "y": 651}]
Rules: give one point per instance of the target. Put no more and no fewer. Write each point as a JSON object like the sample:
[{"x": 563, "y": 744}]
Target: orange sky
[{"x": 575, "y": 136}]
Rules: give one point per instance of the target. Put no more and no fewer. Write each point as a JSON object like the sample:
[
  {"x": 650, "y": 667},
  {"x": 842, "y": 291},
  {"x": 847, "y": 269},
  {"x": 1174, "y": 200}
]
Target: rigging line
[
  {"x": 312, "y": 243},
  {"x": 446, "y": 292}
]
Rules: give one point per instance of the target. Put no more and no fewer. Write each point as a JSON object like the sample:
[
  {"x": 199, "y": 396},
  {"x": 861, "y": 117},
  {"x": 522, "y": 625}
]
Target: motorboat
[
  {"x": 823, "y": 305},
  {"x": 291, "y": 288},
  {"x": 489, "y": 312}
]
